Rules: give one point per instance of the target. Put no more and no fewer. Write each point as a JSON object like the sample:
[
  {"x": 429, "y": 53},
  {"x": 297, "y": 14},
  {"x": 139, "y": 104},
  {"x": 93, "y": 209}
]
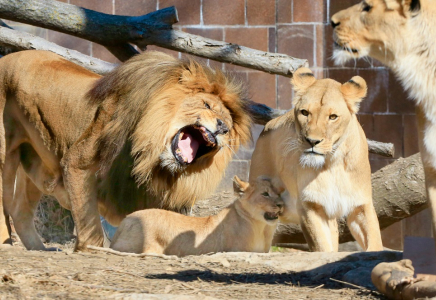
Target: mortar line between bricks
[
  {"x": 201, "y": 14},
  {"x": 245, "y": 13},
  {"x": 217, "y": 26},
  {"x": 315, "y": 46}
]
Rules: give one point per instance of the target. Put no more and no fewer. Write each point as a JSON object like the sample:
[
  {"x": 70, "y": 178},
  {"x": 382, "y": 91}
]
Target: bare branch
[
  {"x": 15, "y": 40},
  {"x": 116, "y": 32}
]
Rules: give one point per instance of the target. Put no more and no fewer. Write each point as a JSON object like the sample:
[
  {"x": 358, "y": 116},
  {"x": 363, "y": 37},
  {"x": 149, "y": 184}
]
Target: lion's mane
[{"x": 140, "y": 98}]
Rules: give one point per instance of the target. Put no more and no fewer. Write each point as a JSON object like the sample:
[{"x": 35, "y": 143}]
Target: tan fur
[
  {"x": 318, "y": 151},
  {"x": 239, "y": 227},
  {"x": 103, "y": 144},
  {"x": 401, "y": 34}
]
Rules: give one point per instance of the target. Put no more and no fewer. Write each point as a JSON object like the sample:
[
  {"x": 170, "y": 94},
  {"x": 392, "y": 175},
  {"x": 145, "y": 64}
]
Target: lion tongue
[{"x": 188, "y": 146}]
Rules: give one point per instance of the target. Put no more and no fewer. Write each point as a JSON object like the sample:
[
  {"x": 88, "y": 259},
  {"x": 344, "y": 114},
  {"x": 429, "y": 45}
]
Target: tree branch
[
  {"x": 152, "y": 29},
  {"x": 14, "y": 40}
]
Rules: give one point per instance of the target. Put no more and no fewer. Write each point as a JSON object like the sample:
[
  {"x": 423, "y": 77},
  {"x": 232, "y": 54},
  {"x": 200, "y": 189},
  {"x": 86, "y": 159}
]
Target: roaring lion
[
  {"x": 248, "y": 225},
  {"x": 157, "y": 132},
  {"x": 400, "y": 34},
  {"x": 319, "y": 154}
]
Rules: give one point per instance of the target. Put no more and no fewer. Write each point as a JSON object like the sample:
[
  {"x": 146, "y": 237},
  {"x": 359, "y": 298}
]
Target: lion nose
[
  {"x": 279, "y": 203},
  {"x": 313, "y": 143},
  {"x": 221, "y": 127},
  {"x": 335, "y": 24}
]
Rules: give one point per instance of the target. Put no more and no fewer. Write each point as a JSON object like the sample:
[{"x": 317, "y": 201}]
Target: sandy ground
[
  {"x": 286, "y": 274},
  {"x": 98, "y": 275}
]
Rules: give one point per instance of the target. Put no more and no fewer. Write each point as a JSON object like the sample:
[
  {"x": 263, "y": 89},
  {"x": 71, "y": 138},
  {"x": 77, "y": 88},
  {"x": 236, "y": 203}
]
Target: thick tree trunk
[
  {"x": 117, "y": 33},
  {"x": 398, "y": 192}
]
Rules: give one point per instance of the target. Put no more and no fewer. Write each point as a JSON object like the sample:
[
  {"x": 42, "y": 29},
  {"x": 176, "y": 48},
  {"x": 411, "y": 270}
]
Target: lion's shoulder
[{"x": 286, "y": 119}]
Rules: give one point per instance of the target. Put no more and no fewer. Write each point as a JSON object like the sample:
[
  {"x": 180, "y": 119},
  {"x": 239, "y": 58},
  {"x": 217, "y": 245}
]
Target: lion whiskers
[
  {"x": 231, "y": 149},
  {"x": 292, "y": 144}
]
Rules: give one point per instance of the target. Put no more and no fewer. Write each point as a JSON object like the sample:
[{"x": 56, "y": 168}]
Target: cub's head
[
  {"x": 261, "y": 199},
  {"x": 323, "y": 112},
  {"x": 376, "y": 28}
]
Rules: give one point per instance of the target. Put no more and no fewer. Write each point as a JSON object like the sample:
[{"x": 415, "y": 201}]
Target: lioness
[
  {"x": 156, "y": 132},
  {"x": 248, "y": 224},
  {"x": 318, "y": 151},
  {"x": 400, "y": 34}
]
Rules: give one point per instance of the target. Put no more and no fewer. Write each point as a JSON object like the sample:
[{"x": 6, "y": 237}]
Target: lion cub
[
  {"x": 319, "y": 153},
  {"x": 248, "y": 224}
]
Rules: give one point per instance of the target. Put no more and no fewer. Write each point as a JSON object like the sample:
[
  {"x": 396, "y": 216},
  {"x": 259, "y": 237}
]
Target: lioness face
[
  {"x": 321, "y": 121},
  {"x": 260, "y": 198},
  {"x": 323, "y": 110},
  {"x": 372, "y": 28},
  {"x": 201, "y": 128}
]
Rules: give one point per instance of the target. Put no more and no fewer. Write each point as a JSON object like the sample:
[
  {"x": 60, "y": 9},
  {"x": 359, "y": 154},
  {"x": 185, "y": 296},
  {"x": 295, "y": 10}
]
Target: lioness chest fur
[
  {"x": 319, "y": 153},
  {"x": 246, "y": 225},
  {"x": 400, "y": 34}
]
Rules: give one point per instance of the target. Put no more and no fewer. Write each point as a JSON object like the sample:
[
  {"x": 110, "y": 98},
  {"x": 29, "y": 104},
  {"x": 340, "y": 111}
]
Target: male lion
[
  {"x": 318, "y": 151},
  {"x": 156, "y": 132},
  {"x": 400, "y": 34},
  {"x": 248, "y": 224}
]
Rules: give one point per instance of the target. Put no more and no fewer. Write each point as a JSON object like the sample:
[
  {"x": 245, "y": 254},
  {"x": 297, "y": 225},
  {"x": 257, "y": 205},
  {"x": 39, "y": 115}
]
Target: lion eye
[
  {"x": 304, "y": 112},
  {"x": 366, "y": 7},
  {"x": 333, "y": 117},
  {"x": 206, "y": 105},
  {"x": 265, "y": 194}
]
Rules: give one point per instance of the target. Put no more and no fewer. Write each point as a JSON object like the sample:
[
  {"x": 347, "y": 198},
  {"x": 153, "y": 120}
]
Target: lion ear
[
  {"x": 412, "y": 6},
  {"x": 302, "y": 79},
  {"x": 239, "y": 186},
  {"x": 354, "y": 91}
]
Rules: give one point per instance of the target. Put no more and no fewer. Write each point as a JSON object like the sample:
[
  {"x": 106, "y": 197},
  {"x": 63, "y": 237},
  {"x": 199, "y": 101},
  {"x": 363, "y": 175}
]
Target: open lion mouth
[
  {"x": 348, "y": 49},
  {"x": 269, "y": 216},
  {"x": 192, "y": 142}
]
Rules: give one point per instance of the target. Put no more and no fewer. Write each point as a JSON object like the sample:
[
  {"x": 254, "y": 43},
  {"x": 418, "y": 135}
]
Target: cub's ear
[
  {"x": 302, "y": 79},
  {"x": 239, "y": 186},
  {"x": 354, "y": 91}
]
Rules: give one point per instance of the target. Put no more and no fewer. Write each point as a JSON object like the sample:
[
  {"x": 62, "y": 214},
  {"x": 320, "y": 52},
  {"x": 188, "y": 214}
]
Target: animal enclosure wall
[{"x": 300, "y": 28}]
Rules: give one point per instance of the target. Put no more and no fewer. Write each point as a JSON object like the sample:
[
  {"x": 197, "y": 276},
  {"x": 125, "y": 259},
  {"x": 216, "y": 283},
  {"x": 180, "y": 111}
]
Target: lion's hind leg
[
  {"x": 4, "y": 222},
  {"x": 364, "y": 227},
  {"x": 26, "y": 200}
]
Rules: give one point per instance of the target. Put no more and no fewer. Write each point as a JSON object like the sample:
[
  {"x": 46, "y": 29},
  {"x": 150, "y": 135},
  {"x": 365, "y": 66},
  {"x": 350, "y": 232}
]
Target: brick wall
[{"x": 299, "y": 28}]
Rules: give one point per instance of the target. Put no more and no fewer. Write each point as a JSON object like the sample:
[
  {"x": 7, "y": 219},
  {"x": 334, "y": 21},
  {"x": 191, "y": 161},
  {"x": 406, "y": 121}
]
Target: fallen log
[
  {"x": 12, "y": 41},
  {"x": 117, "y": 33},
  {"x": 398, "y": 192}
]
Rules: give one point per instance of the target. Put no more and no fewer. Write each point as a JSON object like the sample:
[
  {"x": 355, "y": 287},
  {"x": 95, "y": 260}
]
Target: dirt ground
[{"x": 287, "y": 274}]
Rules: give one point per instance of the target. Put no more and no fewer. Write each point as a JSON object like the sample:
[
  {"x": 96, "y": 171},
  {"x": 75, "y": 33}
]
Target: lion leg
[
  {"x": 26, "y": 201},
  {"x": 4, "y": 221},
  {"x": 364, "y": 227},
  {"x": 84, "y": 207},
  {"x": 316, "y": 228},
  {"x": 334, "y": 233},
  {"x": 9, "y": 173}
]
